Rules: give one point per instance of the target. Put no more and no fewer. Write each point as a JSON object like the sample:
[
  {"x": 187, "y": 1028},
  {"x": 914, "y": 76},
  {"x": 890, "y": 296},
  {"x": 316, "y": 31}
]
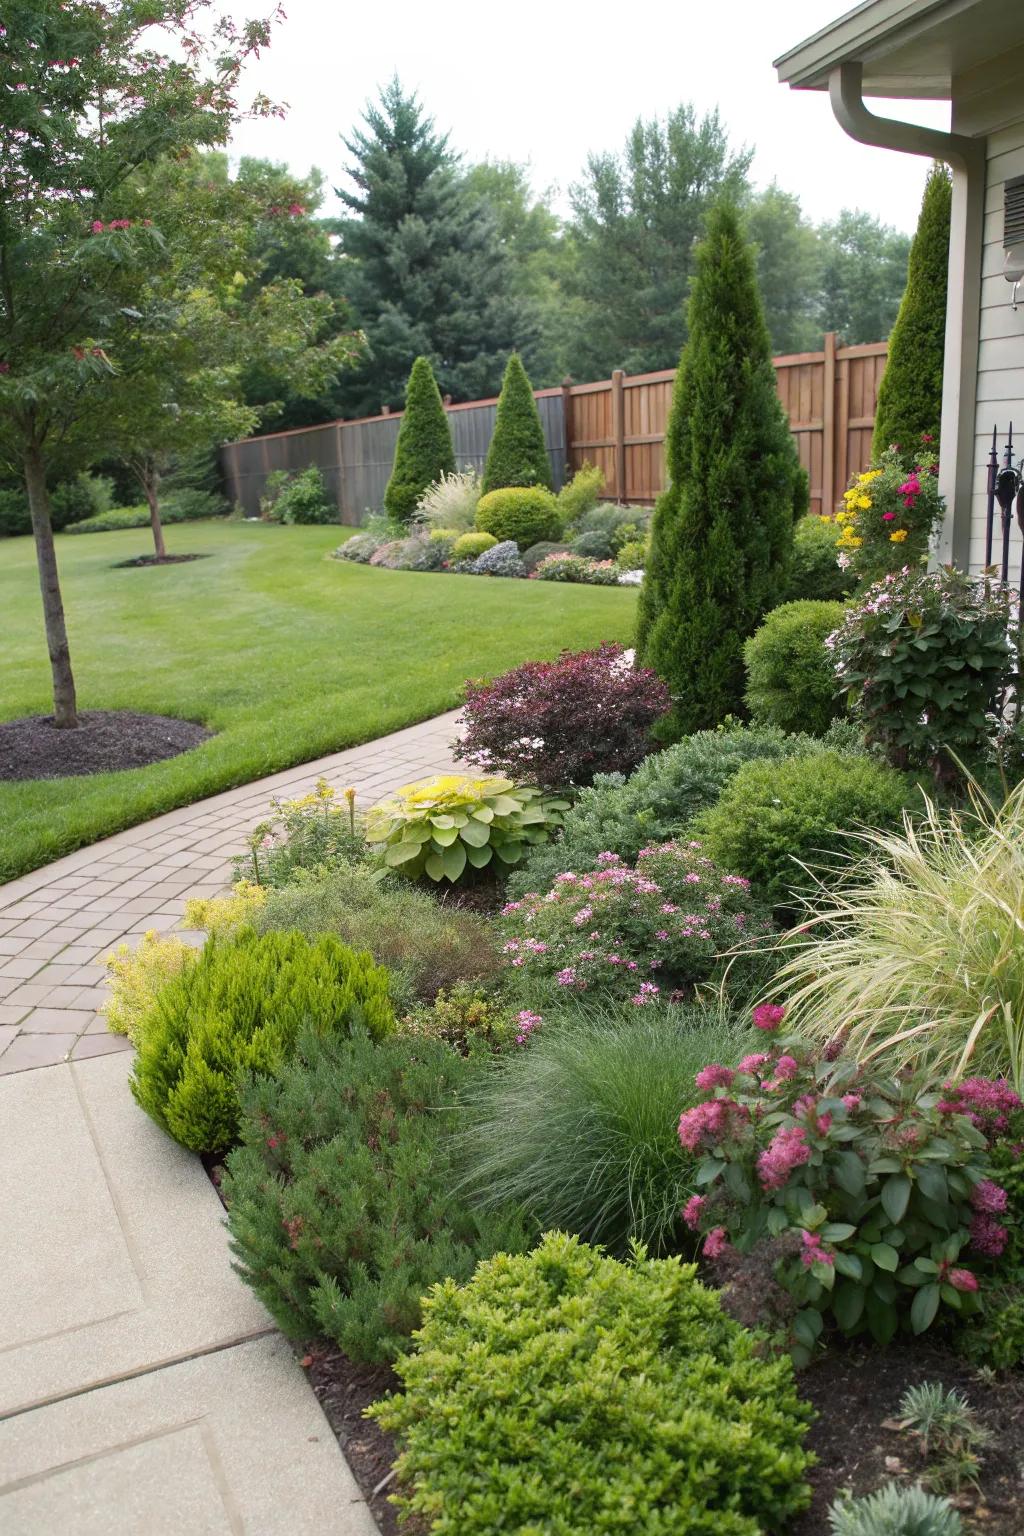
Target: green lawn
[{"x": 283, "y": 652}]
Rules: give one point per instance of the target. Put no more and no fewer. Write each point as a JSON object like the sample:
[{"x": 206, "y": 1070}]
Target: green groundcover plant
[
  {"x": 340, "y": 1198},
  {"x": 240, "y": 1007},
  {"x": 870, "y": 1187},
  {"x": 453, "y": 824},
  {"x": 566, "y": 1392},
  {"x": 639, "y": 934}
]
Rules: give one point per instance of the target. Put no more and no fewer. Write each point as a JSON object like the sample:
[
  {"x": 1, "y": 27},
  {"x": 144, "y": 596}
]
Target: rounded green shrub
[
  {"x": 526, "y": 513},
  {"x": 240, "y": 1007},
  {"x": 533, "y": 556},
  {"x": 468, "y": 546},
  {"x": 814, "y": 570},
  {"x": 596, "y": 546},
  {"x": 632, "y": 556},
  {"x": 342, "y": 1198},
  {"x": 774, "y": 818},
  {"x": 564, "y": 1391},
  {"x": 791, "y": 680}
]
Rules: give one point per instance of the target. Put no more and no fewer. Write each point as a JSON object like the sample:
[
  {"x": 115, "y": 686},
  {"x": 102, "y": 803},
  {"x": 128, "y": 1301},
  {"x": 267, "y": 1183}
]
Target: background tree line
[{"x": 462, "y": 263}]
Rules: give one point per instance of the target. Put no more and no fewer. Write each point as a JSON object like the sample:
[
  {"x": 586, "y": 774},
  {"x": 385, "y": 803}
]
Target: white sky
[{"x": 545, "y": 83}]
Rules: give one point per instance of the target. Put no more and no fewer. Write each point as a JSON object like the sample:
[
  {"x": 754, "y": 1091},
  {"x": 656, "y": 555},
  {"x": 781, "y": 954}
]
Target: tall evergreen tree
[
  {"x": 910, "y": 394},
  {"x": 723, "y": 531},
  {"x": 427, "y": 274},
  {"x": 517, "y": 454},
  {"x": 424, "y": 450}
]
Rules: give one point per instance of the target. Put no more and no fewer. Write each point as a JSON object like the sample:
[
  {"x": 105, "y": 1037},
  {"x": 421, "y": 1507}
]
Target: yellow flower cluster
[
  {"x": 322, "y": 795},
  {"x": 898, "y": 536}
]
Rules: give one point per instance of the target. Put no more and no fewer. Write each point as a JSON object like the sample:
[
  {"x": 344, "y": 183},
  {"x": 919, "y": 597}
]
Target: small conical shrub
[
  {"x": 723, "y": 532},
  {"x": 518, "y": 454},
  {"x": 910, "y": 394},
  {"x": 424, "y": 450}
]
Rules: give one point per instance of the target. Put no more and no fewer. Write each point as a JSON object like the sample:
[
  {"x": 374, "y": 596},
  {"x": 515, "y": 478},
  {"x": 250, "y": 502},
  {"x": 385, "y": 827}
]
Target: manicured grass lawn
[{"x": 283, "y": 652}]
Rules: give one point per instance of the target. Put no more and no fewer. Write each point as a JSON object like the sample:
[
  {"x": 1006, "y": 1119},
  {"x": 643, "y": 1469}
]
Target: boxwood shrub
[
  {"x": 526, "y": 513},
  {"x": 468, "y": 546},
  {"x": 791, "y": 679},
  {"x": 239, "y": 1007},
  {"x": 565, "y": 1392}
]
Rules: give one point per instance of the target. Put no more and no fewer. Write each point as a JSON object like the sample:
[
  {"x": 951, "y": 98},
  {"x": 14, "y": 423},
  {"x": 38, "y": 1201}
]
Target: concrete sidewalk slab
[
  {"x": 231, "y": 1443},
  {"x": 116, "y": 1257}
]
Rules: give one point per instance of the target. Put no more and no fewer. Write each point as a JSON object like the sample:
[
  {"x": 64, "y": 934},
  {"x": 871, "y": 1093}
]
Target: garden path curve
[{"x": 143, "y": 1387}]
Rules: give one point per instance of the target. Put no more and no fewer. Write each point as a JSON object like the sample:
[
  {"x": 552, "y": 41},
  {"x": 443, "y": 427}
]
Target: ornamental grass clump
[
  {"x": 644, "y": 935},
  {"x": 873, "y": 1184},
  {"x": 452, "y": 825},
  {"x": 558, "y": 723},
  {"x": 578, "y": 1125},
  {"x": 449, "y": 503},
  {"x": 920, "y": 963},
  {"x": 562, "y": 1390},
  {"x": 341, "y": 1202},
  {"x": 923, "y": 658},
  {"x": 240, "y": 1008}
]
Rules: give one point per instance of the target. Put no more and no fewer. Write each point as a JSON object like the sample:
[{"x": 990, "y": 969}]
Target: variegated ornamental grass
[{"x": 919, "y": 957}]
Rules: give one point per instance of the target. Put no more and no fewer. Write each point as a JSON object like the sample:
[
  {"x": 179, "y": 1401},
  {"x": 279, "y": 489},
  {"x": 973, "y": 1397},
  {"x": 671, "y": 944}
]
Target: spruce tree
[
  {"x": 424, "y": 449},
  {"x": 426, "y": 272},
  {"x": 910, "y": 394},
  {"x": 723, "y": 531},
  {"x": 518, "y": 454}
]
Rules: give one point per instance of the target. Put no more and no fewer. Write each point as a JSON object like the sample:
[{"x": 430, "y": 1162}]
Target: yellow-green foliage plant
[
  {"x": 221, "y": 915},
  {"x": 239, "y": 1008},
  {"x": 920, "y": 960},
  {"x": 136, "y": 977}
]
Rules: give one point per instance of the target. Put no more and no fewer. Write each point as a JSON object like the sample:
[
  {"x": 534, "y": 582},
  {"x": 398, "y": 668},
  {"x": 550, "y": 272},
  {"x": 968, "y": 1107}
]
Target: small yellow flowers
[
  {"x": 898, "y": 536},
  {"x": 868, "y": 476}
]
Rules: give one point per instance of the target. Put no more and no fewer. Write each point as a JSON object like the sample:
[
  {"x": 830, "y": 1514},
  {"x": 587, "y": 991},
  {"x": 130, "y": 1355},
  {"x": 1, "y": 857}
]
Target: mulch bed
[
  {"x": 141, "y": 560},
  {"x": 857, "y": 1393},
  {"x": 106, "y": 741},
  {"x": 344, "y": 1390}
]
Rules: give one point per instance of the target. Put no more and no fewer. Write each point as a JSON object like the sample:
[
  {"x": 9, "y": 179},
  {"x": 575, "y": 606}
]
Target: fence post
[
  {"x": 619, "y": 432},
  {"x": 567, "y": 424},
  {"x": 829, "y": 491}
]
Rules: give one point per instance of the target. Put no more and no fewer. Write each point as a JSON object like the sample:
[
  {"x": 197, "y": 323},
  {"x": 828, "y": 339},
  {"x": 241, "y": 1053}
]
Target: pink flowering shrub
[
  {"x": 885, "y": 1196},
  {"x": 558, "y": 723},
  {"x": 645, "y": 934}
]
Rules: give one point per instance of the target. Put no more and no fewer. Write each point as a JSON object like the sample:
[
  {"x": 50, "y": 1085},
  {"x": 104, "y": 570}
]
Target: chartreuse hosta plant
[{"x": 449, "y": 825}]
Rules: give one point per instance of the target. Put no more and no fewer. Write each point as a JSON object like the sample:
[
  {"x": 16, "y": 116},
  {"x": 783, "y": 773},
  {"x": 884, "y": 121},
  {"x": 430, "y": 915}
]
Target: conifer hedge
[
  {"x": 518, "y": 454},
  {"x": 424, "y": 449}
]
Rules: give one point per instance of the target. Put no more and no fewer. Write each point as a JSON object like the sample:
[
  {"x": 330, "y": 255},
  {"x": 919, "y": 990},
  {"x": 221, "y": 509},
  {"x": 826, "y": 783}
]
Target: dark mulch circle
[
  {"x": 142, "y": 560},
  {"x": 106, "y": 741}
]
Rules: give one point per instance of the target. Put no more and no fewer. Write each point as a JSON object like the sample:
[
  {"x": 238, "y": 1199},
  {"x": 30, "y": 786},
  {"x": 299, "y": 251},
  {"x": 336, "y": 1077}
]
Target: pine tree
[
  {"x": 426, "y": 271},
  {"x": 424, "y": 449},
  {"x": 910, "y": 394},
  {"x": 518, "y": 454},
  {"x": 723, "y": 531}
]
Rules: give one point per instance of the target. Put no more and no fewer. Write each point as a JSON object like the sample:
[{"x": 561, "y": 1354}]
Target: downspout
[{"x": 966, "y": 158}]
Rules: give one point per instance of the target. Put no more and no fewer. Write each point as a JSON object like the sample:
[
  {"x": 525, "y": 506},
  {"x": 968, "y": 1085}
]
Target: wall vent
[{"x": 1013, "y": 212}]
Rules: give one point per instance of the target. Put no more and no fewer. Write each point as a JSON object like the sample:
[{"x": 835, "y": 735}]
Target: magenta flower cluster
[
  {"x": 987, "y": 1102},
  {"x": 645, "y": 934}
]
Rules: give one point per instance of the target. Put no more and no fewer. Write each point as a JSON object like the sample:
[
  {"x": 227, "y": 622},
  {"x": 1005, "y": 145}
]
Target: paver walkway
[
  {"x": 58, "y": 924},
  {"x": 144, "y": 1390}
]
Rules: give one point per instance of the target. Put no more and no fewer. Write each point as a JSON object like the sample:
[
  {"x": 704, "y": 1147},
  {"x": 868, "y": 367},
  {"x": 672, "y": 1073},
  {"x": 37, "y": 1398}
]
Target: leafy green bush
[
  {"x": 185, "y": 507},
  {"x": 565, "y": 1391},
  {"x": 468, "y": 546},
  {"x": 533, "y": 556},
  {"x": 580, "y": 494},
  {"x": 895, "y": 1510},
  {"x": 791, "y": 679},
  {"x": 471, "y": 1019},
  {"x": 527, "y": 514},
  {"x": 426, "y": 946},
  {"x": 579, "y": 1128},
  {"x": 922, "y": 959},
  {"x": 609, "y": 518},
  {"x": 190, "y": 504},
  {"x": 85, "y": 496},
  {"x": 517, "y": 454},
  {"x": 15, "y": 517},
  {"x": 632, "y": 555},
  {"x": 815, "y": 572},
  {"x": 341, "y": 1202},
  {"x": 593, "y": 546},
  {"x": 423, "y": 452},
  {"x": 453, "y": 824},
  {"x": 304, "y": 499},
  {"x": 655, "y": 803},
  {"x": 774, "y": 818},
  {"x": 241, "y": 1007}
]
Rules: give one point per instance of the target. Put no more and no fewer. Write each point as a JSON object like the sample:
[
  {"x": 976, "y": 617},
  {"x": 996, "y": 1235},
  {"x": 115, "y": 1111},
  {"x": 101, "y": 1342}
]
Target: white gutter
[{"x": 967, "y": 160}]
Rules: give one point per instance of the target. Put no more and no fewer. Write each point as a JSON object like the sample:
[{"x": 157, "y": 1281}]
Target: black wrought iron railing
[{"x": 1005, "y": 493}]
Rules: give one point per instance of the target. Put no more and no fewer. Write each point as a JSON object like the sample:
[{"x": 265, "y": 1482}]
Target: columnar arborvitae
[
  {"x": 723, "y": 531},
  {"x": 424, "y": 449},
  {"x": 518, "y": 454},
  {"x": 910, "y": 394}
]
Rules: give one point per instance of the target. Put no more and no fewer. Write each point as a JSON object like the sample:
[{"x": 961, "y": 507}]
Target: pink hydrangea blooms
[
  {"x": 716, "y": 1243},
  {"x": 693, "y": 1210},
  {"x": 787, "y": 1150},
  {"x": 988, "y": 1196},
  {"x": 714, "y": 1076},
  {"x": 987, "y": 1102},
  {"x": 526, "y": 1023},
  {"x": 709, "y": 1123},
  {"x": 988, "y": 1236},
  {"x": 814, "y": 1251},
  {"x": 768, "y": 1016}
]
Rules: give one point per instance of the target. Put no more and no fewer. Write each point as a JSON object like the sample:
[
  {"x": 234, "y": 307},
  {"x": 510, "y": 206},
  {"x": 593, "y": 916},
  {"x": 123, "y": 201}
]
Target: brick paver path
[{"x": 58, "y": 924}]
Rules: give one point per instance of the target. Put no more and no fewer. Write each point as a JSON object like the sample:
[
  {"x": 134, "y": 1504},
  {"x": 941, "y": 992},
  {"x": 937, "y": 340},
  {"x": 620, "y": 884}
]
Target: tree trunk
[
  {"x": 150, "y": 484},
  {"x": 65, "y": 709}
]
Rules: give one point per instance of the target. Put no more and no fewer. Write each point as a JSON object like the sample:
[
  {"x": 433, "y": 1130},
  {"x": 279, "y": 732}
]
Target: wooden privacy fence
[{"x": 617, "y": 423}]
